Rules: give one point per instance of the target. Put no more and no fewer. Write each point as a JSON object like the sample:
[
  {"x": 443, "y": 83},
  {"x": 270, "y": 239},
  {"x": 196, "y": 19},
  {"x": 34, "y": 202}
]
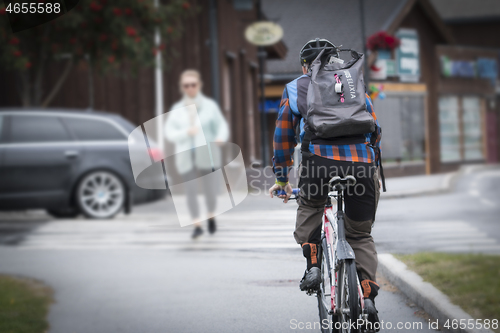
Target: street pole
[
  {"x": 158, "y": 85},
  {"x": 363, "y": 38},
  {"x": 91, "y": 82},
  {"x": 263, "y": 123},
  {"x": 214, "y": 44}
]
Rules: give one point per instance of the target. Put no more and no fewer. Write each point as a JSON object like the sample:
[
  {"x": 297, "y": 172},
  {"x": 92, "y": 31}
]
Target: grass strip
[{"x": 24, "y": 304}]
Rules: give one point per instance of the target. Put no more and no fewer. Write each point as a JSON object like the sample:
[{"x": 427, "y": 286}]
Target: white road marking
[{"x": 244, "y": 232}]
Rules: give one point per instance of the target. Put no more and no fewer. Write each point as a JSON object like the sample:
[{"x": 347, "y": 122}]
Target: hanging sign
[{"x": 263, "y": 33}]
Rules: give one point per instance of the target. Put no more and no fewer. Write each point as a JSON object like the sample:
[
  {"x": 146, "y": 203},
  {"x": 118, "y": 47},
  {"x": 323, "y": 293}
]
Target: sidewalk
[
  {"x": 400, "y": 187},
  {"x": 397, "y": 187}
]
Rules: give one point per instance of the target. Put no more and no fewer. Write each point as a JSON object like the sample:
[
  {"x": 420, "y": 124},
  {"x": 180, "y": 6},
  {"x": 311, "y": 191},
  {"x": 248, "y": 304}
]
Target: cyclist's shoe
[
  {"x": 311, "y": 279},
  {"x": 370, "y": 291},
  {"x": 211, "y": 226},
  {"x": 197, "y": 232},
  {"x": 310, "y": 252},
  {"x": 373, "y": 324}
]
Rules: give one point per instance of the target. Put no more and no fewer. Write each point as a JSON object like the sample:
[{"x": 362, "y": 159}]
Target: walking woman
[{"x": 187, "y": 133}]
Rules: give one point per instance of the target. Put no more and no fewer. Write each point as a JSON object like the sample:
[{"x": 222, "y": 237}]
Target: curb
[
  {"x": 424, "y": 294},
  {"x": 446, "y": 185}
]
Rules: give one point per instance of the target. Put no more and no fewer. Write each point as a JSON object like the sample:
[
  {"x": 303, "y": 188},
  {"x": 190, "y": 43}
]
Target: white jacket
[{"x": 213, "y": 128}]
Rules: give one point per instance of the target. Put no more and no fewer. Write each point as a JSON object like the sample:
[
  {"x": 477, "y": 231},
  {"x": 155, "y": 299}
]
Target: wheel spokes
[{"x": 101, "y": 194}]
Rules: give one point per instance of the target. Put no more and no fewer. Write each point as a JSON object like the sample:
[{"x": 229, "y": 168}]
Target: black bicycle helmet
[{"x": 312, "y": 48}]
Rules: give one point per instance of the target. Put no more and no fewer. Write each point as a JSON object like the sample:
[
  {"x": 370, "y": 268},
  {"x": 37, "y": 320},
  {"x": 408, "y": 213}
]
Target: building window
[
  {"x": 449, "y": 129},
  {"x": 460, "y": 123},
  {"x": 403, "y": 129},
  {"x": 473, "y": 147}
]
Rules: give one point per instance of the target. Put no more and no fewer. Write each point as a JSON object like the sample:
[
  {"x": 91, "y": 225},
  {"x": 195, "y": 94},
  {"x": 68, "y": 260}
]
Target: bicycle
[{"x": 338, "y": 268}]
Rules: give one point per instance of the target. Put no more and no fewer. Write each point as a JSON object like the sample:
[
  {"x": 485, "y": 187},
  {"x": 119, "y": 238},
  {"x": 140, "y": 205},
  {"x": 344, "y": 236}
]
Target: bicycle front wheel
[
  {"x": 324, "y": 294},
  {"x": 349, "y": 307}
]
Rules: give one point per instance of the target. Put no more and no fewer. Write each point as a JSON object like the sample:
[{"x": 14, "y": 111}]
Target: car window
[
  {"x": 35, "y": 128},
  {"x": 93, "y": 129}
]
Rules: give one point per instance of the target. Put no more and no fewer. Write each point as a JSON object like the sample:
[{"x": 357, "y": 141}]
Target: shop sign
[
  {"x": 484, "y": 68},
  {"x": 263, "y": 33},
  {"x": 407, "y": 55}
]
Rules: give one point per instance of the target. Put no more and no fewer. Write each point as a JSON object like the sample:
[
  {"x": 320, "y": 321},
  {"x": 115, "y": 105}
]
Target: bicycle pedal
[{"x": 311, "y": 292}]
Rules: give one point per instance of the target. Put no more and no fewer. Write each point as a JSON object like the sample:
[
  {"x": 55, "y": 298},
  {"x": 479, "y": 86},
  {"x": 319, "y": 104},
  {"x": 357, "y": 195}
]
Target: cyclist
[{"x": 321, "y": 160}]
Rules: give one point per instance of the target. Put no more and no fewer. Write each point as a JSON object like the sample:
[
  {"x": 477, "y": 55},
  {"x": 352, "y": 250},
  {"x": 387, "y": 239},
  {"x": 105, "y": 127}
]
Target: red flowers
[
  {"x": 155, "y": 50},
  {"x": 186, "y": 5},
  {"x": 128, "y": 11},
  {"x": 131, "y": 31},
  {"x": 17, "y": 53},
  {"x": 111, "y": 59},
  {"x": 170, "y": 30},
  {"x": 382, "y": 41},
  {"x": 117, "y": 11},
  {"x": 14, "y": 41},
  {"x": 103, "y": 37},
  {"x": 28, "y": 65},
  {"x": 95, "y": 6}
]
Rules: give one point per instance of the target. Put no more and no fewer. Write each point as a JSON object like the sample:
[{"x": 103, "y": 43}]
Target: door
[{"x": 38, "y": 158}]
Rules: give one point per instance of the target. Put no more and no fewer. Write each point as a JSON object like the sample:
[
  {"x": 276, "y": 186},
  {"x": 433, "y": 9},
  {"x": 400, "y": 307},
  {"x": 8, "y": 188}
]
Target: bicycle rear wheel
[{"x": 350, "y": 307}]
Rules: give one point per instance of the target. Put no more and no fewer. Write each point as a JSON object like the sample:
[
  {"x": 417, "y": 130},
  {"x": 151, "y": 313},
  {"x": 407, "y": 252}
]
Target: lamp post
[
  {"x": 263, "y": 33},
  {"x": 214, "y": 59},
  {"x": 363, "y": 38},
  {"x": 158, "y": 85},
  {"x": 262, "y": 54}
]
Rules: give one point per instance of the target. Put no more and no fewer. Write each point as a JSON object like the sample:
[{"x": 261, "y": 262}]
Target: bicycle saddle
[{"x": 348, "y": 180}]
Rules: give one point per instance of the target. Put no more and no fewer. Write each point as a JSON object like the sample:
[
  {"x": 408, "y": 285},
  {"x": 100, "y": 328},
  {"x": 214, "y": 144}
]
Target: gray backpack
[{"x": 336, "y": 104}]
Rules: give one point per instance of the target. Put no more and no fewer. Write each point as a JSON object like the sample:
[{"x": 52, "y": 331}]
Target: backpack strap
[
  {"x": 381, "y": 169},
  {"x": 378, "y": 153},
  {"x": 304, "y": 147}
]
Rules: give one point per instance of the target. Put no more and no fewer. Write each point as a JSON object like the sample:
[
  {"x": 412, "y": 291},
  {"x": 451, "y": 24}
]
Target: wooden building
[{"x": 433, "y": 119}]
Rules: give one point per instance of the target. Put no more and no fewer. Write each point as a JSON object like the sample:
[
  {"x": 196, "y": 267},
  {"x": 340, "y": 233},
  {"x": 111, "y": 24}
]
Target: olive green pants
[{"x": 360, "y": 207}]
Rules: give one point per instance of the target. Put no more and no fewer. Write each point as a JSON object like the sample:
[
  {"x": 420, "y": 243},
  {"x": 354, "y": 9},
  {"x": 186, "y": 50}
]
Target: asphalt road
[
  {"x": 143, "y": 273},
  {"x": 180, "y": 291},
  {"x": 464, "y": 220}
]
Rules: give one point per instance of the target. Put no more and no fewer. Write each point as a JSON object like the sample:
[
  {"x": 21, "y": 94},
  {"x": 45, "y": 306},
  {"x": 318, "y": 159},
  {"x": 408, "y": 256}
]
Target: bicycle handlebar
[
  {"x": 295, "y": 191},
  {"x": 336, "y": 183}
]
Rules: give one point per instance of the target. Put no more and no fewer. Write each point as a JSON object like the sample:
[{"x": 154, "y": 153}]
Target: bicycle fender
[{"x": 344, "y": 250}]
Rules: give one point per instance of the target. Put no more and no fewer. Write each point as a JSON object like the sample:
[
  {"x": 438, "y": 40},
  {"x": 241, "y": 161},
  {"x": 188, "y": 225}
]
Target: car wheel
[
  {"x": 100, "y": 195},
  {"x": 64, "y": 213}
]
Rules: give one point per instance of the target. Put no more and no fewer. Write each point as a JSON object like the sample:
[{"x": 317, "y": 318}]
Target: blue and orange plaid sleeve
[{"x": 284, "y": 139}]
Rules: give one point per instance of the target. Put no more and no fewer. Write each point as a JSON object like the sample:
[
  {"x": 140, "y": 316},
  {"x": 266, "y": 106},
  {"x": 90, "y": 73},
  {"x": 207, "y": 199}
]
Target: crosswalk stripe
[{"x": 243, "y": 231}]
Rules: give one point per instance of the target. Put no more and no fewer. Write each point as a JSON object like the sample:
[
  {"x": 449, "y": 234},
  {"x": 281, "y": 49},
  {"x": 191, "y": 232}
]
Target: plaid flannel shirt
[{"x": 285, "y": 138}]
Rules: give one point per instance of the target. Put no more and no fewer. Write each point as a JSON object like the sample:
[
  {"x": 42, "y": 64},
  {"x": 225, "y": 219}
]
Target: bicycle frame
[{"x": 337, "y": 247}]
